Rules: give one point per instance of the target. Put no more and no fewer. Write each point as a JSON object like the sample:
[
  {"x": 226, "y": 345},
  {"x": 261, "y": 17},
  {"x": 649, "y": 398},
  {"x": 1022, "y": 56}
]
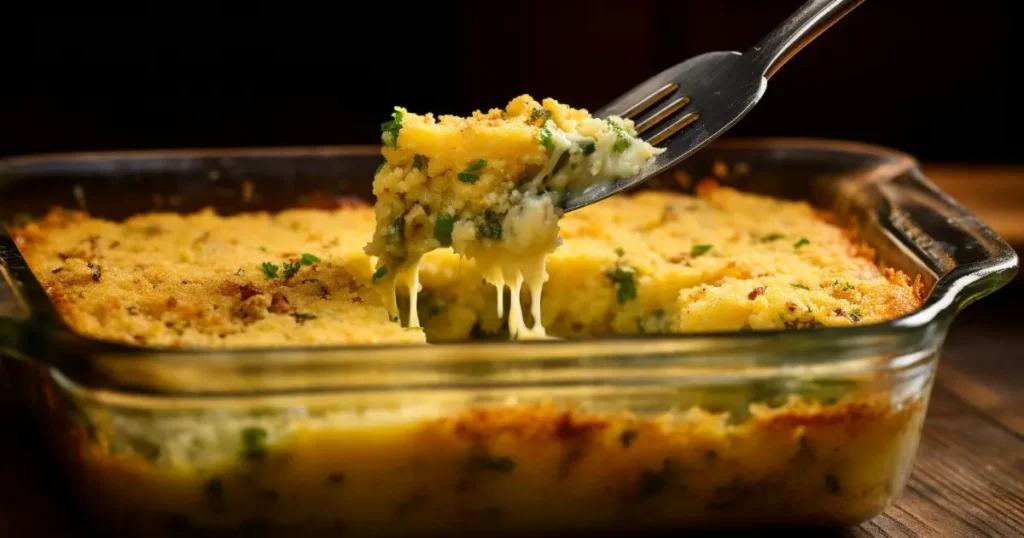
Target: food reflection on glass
[{"x": 464, "y": 231}]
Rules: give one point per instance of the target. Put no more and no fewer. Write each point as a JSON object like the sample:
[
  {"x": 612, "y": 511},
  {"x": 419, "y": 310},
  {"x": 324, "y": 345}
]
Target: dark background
[{"x": 936, "y": 79}]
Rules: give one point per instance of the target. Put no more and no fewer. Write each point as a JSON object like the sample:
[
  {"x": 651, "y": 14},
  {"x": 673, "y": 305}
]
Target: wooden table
[{"x": 968, "y": 479}]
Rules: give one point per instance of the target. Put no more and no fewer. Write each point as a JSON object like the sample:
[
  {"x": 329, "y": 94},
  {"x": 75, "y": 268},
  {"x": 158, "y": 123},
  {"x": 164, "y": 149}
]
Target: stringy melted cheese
[{"x": 490, "y": 187}]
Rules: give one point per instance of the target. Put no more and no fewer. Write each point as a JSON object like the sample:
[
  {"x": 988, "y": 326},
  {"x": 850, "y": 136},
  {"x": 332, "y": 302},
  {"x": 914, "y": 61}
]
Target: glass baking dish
[{"x": 815, "y": 427}]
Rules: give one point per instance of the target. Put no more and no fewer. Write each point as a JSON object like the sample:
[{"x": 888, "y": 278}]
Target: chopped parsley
[
  {"x": 699, "y": 250},
  {"x": 443, "y": 226},
  {"x": 622, "y": 139},
  {"x": 619, "y": 252},
  {"x": 772, "y": 237},
  {"x": 545, "y": 139},
  {"x": 390, "y": 129},
  {"x": 540, "y": 114},
  {"x": 469, "y": 175},
  {"x": 309, "y": 259},
  {"x": 254, "y": 443},
  {"x": 587, "y": 146},
  {"x": 803, "y": 241},
  {"x": 291, "y": 269},
  {"x": 491, "y": 227},
  {"x": 379, "y": 274},
  {"x": 380, "y": 167},
  {"x": 269, "y": 270},
  {"x": 625, "y": 286},
  {"x": 396, "y": 230},
  {"x": 420, "y": 162},
  {"x": 800, "y": 286}
]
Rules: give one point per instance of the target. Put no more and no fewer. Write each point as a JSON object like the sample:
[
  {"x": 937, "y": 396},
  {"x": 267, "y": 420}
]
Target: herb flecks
[
  {"x": 269, "y": 270},
  {"x": 379, "y": 274},
  {"x": 542, "y": 114},
  {"x": 390, "y": 130},
  {"x": 470, "y": 175},
  {"x": 699, "y": 250},
  {"x": 444, "y": 224},
  {"x": 799, "y": 286},
  {"x": 254, "y": 443},
  {"x": 803, "y": 241},
  {"x": 491, "y": 227},
  {"x": 302, "y": 317},
  {"x": 420, "y": 162},
  {"x": 625, "y": 286},
  {"x": 622, "y": 138},
  {"x": 587, "y": 146},
  {"x": 308, "y": 259},
  {"x": 545, "y": 139},
  {"x": 291, "y": 269},
  {"x": 772, "y": 237}
]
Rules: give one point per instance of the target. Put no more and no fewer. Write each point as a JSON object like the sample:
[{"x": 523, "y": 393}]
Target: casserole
[{"x": 596, "y": 435}]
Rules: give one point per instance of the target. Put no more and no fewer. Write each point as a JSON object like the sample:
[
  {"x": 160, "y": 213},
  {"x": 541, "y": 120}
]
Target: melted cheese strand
[
  {"x": 499, "y": 285},
  {"x": 414, "y": 290}
]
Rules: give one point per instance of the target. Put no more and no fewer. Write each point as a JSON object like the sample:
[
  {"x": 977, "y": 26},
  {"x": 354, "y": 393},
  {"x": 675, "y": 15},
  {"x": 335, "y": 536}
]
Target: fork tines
[{"x": 658, "y": 117}]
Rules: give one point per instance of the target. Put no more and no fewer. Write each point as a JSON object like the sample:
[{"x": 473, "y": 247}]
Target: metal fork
[{"x": 709, "y": 94}]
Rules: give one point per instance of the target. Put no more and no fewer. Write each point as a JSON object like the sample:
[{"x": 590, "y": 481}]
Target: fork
[{"x": 708, "y": 94}]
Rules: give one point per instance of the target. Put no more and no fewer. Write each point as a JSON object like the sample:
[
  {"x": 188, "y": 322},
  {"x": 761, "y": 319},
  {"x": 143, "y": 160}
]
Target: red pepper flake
[
  {"x": 791, "y": 306},
  {"x": 758, "y": 291},
  {"x": 172, "y": 302}
]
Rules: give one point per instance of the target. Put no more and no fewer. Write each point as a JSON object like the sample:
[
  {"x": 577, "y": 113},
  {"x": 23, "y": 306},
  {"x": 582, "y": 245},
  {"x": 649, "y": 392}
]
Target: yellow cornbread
[
  {"x": 490, "y": 187},
  {"x": 652, "y": 262}
]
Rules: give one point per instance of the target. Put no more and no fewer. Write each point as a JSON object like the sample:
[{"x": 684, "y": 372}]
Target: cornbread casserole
[
  {"x": 490, "y": 187},
  {"x": 482, "y": 460},
  {"x": 652, "y": 262}
]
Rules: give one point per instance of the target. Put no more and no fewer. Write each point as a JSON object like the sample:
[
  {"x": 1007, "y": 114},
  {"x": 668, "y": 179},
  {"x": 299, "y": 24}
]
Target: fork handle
[{"x": 796, "y": 32}]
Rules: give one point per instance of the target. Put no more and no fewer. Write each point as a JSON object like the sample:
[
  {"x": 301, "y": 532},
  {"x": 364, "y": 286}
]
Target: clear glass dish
[{"x": 816, "y": 427}]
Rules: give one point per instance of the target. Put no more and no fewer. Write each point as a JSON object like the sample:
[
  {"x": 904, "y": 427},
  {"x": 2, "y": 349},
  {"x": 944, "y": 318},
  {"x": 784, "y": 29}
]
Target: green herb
[
  {"x": 800, "y": 286},
  {"x": 420, "y": 162},
  {"x": 302, "y": 317},
  {"x": 391, "y": 129},
  {"x": 291, "y": 269},
  {"x": 379, "y": 274},
  {"x": 699, "y": 250},
  {"x": 622, "y": 138},
  {"x": 803, "y": 241},
  {"x": 263, "y": 249},
  {"x": 587, "y": 146},
  {"x": 380, "y": 167},
  {"x": 855, "y": 315},
  {"x": 491, "y": 227},
  {"x": 396, "y": 230},
  {"x": 625, "y": 287},
  {"x": 540, "y": 114},
  {"x": 545, "y": 139},
  {"x": 772, "y": 237},
  {"x": 443, "y": 226},
  {"x": 469, "y": 174},
  {"x": 254, "y": 443},
  {"x": 309, "y": 259},
  {"x": 269, "y": 270},
  {"x": 619, "y": 252}
]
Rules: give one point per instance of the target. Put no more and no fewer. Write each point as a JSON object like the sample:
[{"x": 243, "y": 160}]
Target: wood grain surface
[{"x": 968, "y": 479}]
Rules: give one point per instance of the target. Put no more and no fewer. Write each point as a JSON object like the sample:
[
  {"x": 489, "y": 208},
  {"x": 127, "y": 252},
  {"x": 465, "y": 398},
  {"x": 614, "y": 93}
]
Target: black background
[{"x": 936, "y": 79}]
